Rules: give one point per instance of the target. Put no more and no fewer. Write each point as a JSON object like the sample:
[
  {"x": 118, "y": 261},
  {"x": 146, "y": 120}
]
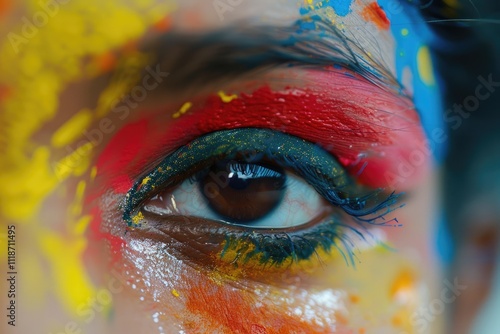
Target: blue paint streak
[{"x": 427, "y": 99}]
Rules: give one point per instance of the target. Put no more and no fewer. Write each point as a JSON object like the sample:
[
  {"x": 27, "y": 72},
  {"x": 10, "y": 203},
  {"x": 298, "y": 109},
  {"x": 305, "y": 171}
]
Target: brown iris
[{"x": 243, "y": 192}]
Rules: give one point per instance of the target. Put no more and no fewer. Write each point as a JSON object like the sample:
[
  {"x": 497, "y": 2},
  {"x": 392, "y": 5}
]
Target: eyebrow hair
[{"x": 196, "y": 60}]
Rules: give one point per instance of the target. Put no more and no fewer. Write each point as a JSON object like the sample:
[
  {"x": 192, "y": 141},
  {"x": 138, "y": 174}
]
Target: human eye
[{"x": 254, "y": 197}]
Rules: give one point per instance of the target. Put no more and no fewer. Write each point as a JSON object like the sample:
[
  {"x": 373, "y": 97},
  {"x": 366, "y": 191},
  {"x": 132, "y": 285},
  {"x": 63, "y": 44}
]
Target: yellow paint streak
[
  {"x": 77, "y": 205},
  {"x": 253, "y": 267},
  {"x": 93, "y": 173},
  {"x": 75, "y": 163},
  {"x": 69, "y": 278},
  {"x": 138, "y": 218},
  {"x": 145, "y": 181},
  {"x": 424, "y": 65},
  {"x": 37, "y": 69},
  {"x": 175, "y": 293},
  {"x": 72, "y": 129},
  {"x": 185, "y": 107},
  {"x": 227, "y": 98}
]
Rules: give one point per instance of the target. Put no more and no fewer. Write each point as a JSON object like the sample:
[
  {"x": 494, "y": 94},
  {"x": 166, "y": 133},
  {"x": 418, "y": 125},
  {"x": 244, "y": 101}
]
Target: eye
[{"x": 256, "y": 194}]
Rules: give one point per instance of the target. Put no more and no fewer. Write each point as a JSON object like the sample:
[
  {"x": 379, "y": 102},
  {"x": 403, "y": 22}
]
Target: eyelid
[{"x": 320, "y": 169}]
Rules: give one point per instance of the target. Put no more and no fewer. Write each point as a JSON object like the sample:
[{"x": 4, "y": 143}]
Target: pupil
[{"x": 243, "y": 192}]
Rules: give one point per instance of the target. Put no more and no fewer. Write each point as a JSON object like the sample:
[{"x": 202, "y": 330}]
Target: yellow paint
[
  {"x": 226, "y": 98},
  {"x": 80, "y": 227},
  {"x": 145, "y": 181},
  {"x": 93, "y": 173},
  {"x": 185, "y": 107},
  {"x": 175, "y": 293},
  {"x": 75, "y": 163},
  {"x": 253, "y": 267},
  {"x": 72, "y": 129},
  {"x": 37, "y": 71},
  {"x": 404, "y": 32},
  {"x": 69, "y": 278},
  {"x": 77, "y": 206},
  {"x": 424, "y": 66},
  {"x": 138, "y": 218}
]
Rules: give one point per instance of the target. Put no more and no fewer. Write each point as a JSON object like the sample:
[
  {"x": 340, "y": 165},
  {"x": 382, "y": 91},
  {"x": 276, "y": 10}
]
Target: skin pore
[{"x": 95, "y": 137}]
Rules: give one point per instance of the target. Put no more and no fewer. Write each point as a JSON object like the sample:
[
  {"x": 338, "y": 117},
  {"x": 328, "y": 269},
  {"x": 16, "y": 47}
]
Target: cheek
[{"x": 380, "y": 293}]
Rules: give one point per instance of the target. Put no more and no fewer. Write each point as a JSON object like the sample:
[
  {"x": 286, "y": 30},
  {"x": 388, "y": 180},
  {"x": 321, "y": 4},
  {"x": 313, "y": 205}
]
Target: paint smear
[
  {"x": 375, "y": 14},
  {"x": 424, "y": 64}
]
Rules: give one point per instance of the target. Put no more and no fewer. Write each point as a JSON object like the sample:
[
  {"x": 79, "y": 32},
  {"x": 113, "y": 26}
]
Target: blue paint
[
  {"x": 341, "y": 7},
  {"x": 444, "y": 241},
  {"x": 427, "y": 98}
]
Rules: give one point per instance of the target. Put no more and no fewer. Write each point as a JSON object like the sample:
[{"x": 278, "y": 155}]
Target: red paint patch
[
  {"x": 369, "y": 129},
  {"x": 114, "y": 163},
  {"x": 374, "y": 13}
]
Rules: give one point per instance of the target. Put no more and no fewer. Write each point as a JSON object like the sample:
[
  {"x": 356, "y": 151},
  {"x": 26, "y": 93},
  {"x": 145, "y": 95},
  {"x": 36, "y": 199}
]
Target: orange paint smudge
[
  {"x": 374, "y": 13},
  {"x": 5, "y": 92},
  {"x": 163, "y": 25},
  {"x": 228, "y": 310},
  {"x": 258, "y": 329},
  {"x": 354, "y": 299},
  {"x": 5, "y": 6},
  {"x": 106, "y": 61},
  {"x": 403, "y": 283}
]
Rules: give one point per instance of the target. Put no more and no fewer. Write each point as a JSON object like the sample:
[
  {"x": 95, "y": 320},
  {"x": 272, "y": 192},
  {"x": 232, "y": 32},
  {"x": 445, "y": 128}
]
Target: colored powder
[{"x": 36, "y": 67}]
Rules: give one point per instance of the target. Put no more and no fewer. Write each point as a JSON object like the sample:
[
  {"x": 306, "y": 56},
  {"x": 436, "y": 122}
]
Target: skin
[{"x": 136, "y": 282}]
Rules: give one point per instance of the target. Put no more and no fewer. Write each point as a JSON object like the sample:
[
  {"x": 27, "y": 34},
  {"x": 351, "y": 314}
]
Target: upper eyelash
[{"x": 229, "y": 142}]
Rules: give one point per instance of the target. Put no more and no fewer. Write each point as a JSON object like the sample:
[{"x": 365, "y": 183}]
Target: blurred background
[{"x": 471, "y": 174}]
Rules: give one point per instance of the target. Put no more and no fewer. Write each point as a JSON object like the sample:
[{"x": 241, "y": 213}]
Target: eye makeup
[
  {"x": 359, "y": 123},
  {"x": 243, "y": 244}
]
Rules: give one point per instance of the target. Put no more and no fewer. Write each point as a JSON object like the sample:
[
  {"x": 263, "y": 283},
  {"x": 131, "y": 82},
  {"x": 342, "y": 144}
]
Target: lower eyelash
[{"x": 286, "y": 248}]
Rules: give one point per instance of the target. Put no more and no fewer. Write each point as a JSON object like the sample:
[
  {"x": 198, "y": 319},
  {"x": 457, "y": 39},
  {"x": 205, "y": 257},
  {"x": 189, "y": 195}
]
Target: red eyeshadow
[{"x": 370, "y": 129}]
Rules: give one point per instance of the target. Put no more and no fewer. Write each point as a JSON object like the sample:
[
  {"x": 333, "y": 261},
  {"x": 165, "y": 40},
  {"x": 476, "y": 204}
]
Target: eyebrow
[{"x": 198, "y": 60}]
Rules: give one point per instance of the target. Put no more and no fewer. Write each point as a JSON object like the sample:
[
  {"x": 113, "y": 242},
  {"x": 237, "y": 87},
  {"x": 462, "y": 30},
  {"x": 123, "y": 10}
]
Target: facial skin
[{"x": 131, "y": 280}]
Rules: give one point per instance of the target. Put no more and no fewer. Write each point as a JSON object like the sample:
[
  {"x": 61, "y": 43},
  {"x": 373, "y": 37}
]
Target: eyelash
[{"x": 275, "y": 247}]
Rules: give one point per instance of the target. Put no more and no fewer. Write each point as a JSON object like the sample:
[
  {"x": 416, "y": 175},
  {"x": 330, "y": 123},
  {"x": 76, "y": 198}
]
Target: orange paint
[
  {"x": 226, "y": 309},
  {"x": 5, "y": 6},
  {"x": 163, "y": 25},
  {"x": 375, "y": 14},
  {"x": 106, "y": 61},
  {"x": 404, "y": 282},
  {"x": 5, "y": 92},
  {"x": 354, "y": 299}
]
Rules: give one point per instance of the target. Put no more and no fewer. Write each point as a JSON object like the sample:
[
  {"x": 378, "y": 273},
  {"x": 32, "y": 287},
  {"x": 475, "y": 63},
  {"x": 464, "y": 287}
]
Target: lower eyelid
[{"x": 211, "y": 246}]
